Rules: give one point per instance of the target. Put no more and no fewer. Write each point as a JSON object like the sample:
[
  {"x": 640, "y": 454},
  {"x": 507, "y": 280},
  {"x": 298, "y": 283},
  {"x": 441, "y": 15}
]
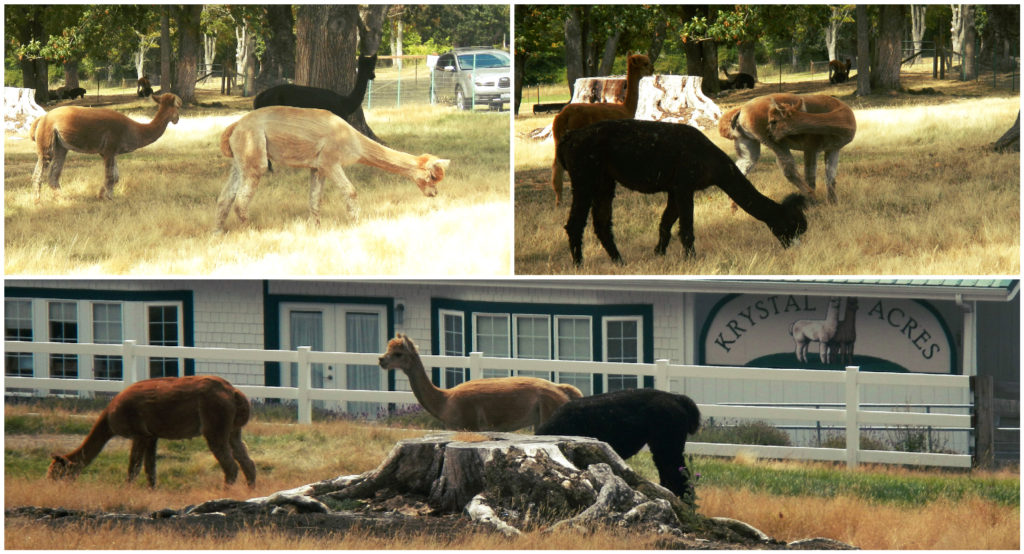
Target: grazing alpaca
[
  {"x": 168, "y": 408},
  {"x": 629, "y": 419},
  {"x": 840, "y": 348},
  {"x": 736, "y": 81},
  {"x": 651, "y": 157},
  {"x": 817, "y": 123},
  {"x": 77, "y": 92},
  {"x": 806, "y": 331},
  {"x": 317, "y": 139},
  {"x": 312, "y": 97},
  {"x": 839, "y": 72},
  {"x": 577, "y": 116},
  {"x": 94, "y": 131},
  {"x": 504, "y": 404},
  {"x": 143, "y": 88}
]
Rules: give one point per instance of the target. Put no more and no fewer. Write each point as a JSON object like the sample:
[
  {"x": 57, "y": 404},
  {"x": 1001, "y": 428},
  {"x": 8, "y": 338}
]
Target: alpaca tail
[
  {"x": 570, "y": 391},
  {"x": 225, "y": 137},
  {"x": 32, "y": 130},
  {"x": 692, "y": 412},
  {"x": 242, "y": 409}
]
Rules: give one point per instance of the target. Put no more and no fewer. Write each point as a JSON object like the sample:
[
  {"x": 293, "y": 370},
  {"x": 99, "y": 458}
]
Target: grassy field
[
  {"x": 872, "y": 507},
  {"x": 161, "y": 219},
  {"x": 920, "y": 192}
]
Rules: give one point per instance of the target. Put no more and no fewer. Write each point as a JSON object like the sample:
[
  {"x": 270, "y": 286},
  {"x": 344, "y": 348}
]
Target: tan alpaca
[
  {"x": 315, "y": 139},
  {"x": 806, "y": 331},
  {"x": 504, "y": 404},
  {"x": 168, "y": 408},
  {"x": 576, "y": 116},
  {"x": 94, "y": 131},
  {"x": 811, "y": 123}
]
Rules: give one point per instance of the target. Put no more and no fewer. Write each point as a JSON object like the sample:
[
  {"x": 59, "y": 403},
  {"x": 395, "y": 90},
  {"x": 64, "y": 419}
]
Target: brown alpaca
[
  {"x": 840, "y": 348},
  {"x": 576, "y": 116},
  {"x": 811, "y": 123},
  {"x": 168, "y": 408},
  {"x": 504, "y": 404},
  {"x": 94, "y": 131},
  {"x": 315, "y": 139}
]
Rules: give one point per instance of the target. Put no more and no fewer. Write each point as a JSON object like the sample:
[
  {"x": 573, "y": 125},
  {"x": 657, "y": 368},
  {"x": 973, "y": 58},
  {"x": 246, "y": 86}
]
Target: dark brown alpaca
[
  {"x": 840, "y": 348},
  {"x": 168, "y": 408}
]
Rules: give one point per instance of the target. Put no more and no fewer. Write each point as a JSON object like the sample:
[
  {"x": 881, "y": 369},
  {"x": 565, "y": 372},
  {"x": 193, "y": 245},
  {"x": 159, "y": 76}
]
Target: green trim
[{"x": 183, "y": 296}]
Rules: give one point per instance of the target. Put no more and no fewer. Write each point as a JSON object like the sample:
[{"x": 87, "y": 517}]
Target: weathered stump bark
[
  {"x": 20, "y": 109},
  {"x": 1010, "y": 141},
  {"x": 676, "y": 99},
  {"x": 589, "y": 90}
]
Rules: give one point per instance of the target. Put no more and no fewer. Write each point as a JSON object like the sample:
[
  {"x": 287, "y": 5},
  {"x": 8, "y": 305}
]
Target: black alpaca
[
  {"x": 629, "y": 419},
  {"x": 839, "y": 72},
  {"x": 77, "y": 92},
  {"x": 736, "y": 81},
  {"x": 143, "y": 88},
  {"x": 312, "y": 97},
  {"x": 650, "y": 157}
]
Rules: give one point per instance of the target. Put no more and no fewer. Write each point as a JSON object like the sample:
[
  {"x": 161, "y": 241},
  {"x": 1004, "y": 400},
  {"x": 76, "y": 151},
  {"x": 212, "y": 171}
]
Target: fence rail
[{"x": 852, "y": 416}]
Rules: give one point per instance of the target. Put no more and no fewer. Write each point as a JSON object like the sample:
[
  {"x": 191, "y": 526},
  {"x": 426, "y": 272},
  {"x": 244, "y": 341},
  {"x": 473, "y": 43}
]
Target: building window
[
  {"x": 573, "y": 342},
  {"x": 622, "y": 344},
  {"x": 63, "y": 326},
  {"x": 453, "y": 343},
  {"x": 163, "y": 331},
  {"x": 492, "y": 339},
  {"x": 107, "y": 328},
  {"x": 18, "y": 326},
  {"x": 533, "y": 340}
]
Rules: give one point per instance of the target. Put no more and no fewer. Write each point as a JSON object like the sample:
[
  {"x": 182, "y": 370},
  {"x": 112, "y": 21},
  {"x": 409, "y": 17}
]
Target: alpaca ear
[{"x": 772, "y": 104}]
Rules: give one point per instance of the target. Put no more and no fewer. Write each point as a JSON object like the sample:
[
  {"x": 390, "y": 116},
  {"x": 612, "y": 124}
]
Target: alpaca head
[
  {"x": 63, "y": 468},
  {"x": 168, "y": 101},
  {"x": 791, "y": 223},
  {"x": 851, "y": 304},
  {"x": 400, "y": 355},
  {"x": 366, "y": 66},
  {"x": 429, "y": 173},
  {"x": 778, "y": 117},
  {"x": 639, "y": 64}
]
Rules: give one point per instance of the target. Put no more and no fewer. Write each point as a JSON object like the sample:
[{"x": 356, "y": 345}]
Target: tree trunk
[
  {"x": 956, "y": 28},
  {"x": 608, "y": 57},
  {"x": 573, "y": 46},
  {"x": 20, "y": 109},
  {"x": 1010, "y": 141},
  {"x": 166, "y": 82},
  {"x": 209, "y": 51},
  {"x": 917, "y": 25},
  {"x": 863, "y": 50},
  {"x": 520, "y": 68},
  {"x": 889, "y": 48},
  {"x": 658, "y": 40},
  {"x": 832, "y": 35},
  {"x": 747, "y": 57},
  {"x": 189, "y": 37},
  {"x": 278, "y": 62},
  {"x": 969, "y": 44}
]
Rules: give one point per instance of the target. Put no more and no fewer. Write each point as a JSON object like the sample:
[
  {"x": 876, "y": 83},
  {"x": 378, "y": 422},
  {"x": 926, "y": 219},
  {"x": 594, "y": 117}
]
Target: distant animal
[
  {"x": 168, "y": 408},
  {"x": 579, "y": 115},
  {"x": 840, "y": 347},
  {"x": 77, "y": 92},
  {"x": 629, "y": 419},
  {"x": 549, "y": 107},
  {"x": 315, "y": 139},
  {"x": 736, "y": 80},
  {"x": 501, "y": 404},
  {"x": 652, "y": 157},
  {"x": 143, "y": 88},
  {"x": 811, "y": 123},
  {"x": 806, "y": 331},
  {"x": 839, "y": 72},
  {"x": 312, "y": 97},
  {"x": 94, "y": 131}
]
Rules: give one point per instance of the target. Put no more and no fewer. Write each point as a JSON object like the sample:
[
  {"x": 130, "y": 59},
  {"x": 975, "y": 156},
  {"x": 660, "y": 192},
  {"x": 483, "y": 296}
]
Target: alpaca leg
[
  {"x": 241, "y": 455},
  {"x": 135, "y": 458},
  {"x": 60, "y": 154},
  {"x": 316, "y": 187},
  {"x": 602, "y": 212},
  {"x": 337, "y": 174},
  {"x": 227, "y": 198},
  {"x": 557, "y": 182},
  {"x": 667, "y": 454},
  {"x": 150, "y": 462},
  {"x": 748, "y": 152},
  {"x": 811, "y": 168},
  {"x": 831, "y": 169},
  {"x": 219, "y": 446},
  {"x": 42, "y": 164},
  {"x": 684, "y": 206},
  {"x": 577, "y": 222},
  {"x": 668, "y": 218},
  {"x": 785, "y": 161},
  {"x": 110, "y": 168},
  {"x": 246, "y": 191}
]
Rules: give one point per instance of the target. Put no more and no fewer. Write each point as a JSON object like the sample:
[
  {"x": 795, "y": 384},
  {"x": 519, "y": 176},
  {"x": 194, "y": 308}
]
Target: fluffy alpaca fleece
[
  {"x": 820, "y": 123},
  {"x": 629, "y": 419},
  {"x": 839, "y": 72},
  {"x": 577, "y": 116},
  {"x": 651, "y": 157},
  {"x": 314, "y": 139}
]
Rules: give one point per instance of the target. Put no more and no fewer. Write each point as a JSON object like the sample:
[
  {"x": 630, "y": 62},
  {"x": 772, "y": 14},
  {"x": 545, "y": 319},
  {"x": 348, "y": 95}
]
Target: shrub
[{"x": 742, "y": 432}]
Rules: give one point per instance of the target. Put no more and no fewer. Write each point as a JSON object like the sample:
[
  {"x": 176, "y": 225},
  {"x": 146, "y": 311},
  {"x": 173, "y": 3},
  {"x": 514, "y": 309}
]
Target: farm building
[{"x": 950, "y": 327}]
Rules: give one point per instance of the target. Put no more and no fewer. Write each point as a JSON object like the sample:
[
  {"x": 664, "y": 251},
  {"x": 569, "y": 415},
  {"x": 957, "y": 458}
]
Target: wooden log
[
  {"x": 677, "y": 99},
  {"x": 20, "y": 109}
]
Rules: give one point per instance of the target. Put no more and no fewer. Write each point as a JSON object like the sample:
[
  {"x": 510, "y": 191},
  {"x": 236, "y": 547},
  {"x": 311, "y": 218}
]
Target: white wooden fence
[{"x": 851, "y": 417}]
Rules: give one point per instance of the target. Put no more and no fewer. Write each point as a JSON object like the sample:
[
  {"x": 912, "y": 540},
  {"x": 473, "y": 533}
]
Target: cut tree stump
[
  {"x": 1010, "y": 141},
  {"x": 677, "y": 99},
  {"x": 20, "y": 109},
  {"x": 588, "y": 90}
]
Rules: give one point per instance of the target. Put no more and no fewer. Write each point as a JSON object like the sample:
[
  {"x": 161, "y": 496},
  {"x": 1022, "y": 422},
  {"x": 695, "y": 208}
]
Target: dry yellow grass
[
  {"x": 162, "y": 217},
  {"x": 920, "y": 192}
]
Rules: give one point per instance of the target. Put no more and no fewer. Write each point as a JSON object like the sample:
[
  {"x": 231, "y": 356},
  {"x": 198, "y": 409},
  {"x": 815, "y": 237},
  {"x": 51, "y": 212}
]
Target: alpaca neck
[
  {"x": 632, "y": 90},
  {"x": 93, "y": 443},
  {"x": 377, "y": 155},
  {"x": 148, "y": 133},
  {"x": 430, "y": 397},
  {"x": 737, "y": 187},
  {"x": 359, "y": 91}
]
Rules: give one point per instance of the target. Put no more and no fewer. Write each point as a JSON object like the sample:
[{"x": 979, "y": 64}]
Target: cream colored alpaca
[
  {"x": 312, "y": 138},
  {"x": 811, "y": 123},
  {"x": 504, "y": 404},
  {"x": 94, "y": 131},
  {"x": 577, "y": 116},
  {"x": 806, "y": 331}
]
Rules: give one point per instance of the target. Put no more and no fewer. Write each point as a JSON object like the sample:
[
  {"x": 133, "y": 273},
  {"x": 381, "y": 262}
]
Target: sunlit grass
[{"x": 161, "y": 219}]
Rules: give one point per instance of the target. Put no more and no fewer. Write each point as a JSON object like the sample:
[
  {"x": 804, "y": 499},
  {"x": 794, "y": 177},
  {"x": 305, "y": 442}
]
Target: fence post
[
  {"x": 661, "y": 375},
  {"x": 129, "y": 363},
  {"x": 476, "y": 370},
  {"x": 984, "y": 421},
  {"x": 305, "y": 376},
  {"x": 852, "y": 407}
]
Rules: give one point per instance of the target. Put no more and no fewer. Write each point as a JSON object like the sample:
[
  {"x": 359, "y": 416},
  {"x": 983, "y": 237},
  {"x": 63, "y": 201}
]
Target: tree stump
[
  {"x": 1010, "y": 141},
  {"x": 20, "y": 109},
  {"x": 677, "y": 99},
  {"x": 589, "y": 90}
]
